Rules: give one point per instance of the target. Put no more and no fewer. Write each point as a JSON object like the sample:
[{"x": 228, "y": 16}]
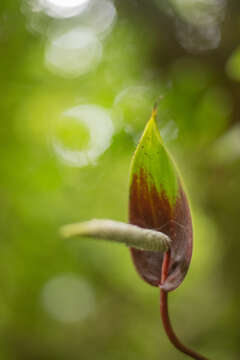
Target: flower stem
[{"x": 165, "y": 316}]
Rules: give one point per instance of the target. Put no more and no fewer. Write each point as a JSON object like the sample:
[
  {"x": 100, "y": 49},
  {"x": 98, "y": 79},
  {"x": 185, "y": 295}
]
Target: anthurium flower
[{"x": 158, "y": 201}]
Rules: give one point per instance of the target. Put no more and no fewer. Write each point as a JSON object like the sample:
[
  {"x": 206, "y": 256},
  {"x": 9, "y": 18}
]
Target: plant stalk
[{"x": 165, "y": 316}]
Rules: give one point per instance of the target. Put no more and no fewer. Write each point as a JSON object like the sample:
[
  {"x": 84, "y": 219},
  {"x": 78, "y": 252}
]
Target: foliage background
[{"x": 83, "y": 299}]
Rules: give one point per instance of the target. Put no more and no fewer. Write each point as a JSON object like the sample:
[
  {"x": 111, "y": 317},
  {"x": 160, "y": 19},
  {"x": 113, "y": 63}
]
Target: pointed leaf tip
[{"x": 158, "y": 201}]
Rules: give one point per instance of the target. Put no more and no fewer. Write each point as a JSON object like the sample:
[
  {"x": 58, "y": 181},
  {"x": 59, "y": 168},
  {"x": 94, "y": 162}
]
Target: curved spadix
[{"x": 115, "y": 231}]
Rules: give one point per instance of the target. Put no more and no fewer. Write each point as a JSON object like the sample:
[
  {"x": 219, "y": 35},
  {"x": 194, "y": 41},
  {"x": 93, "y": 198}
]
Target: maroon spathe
[{"x": 151, "y": 209}]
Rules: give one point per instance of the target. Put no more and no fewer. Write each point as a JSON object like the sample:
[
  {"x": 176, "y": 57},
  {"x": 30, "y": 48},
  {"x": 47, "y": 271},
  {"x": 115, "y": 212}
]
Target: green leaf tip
[{"x": 153, "y": 162}]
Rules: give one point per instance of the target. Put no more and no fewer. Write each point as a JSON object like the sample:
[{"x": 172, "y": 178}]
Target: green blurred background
[{"x": 78, "y": 79}]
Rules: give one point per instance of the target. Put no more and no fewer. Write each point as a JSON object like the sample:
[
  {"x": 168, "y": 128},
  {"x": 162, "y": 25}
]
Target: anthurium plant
[{"x": 159, "y": 233}]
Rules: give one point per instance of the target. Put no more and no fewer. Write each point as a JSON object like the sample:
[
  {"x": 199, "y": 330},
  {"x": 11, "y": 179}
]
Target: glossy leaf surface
[{"x": 158, "y": 201}]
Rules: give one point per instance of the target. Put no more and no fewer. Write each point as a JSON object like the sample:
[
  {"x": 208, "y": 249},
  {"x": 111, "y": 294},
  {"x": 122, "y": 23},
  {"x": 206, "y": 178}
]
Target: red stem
[{"x": 165, "y": 316}]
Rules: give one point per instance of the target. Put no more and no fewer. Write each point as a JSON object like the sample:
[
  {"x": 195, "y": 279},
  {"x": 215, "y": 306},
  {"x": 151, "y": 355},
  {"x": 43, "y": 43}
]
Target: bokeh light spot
[
  {"x": 82, "y": 135},
  {"x": 198, "y": 23},
  {"x": 133, "y": 106},
  {"x": 100, "y": 17},
  {"x": 68, "y": 298},
  {"x": 63, "y": 8},
  {"x": 73, "y": 53}
]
